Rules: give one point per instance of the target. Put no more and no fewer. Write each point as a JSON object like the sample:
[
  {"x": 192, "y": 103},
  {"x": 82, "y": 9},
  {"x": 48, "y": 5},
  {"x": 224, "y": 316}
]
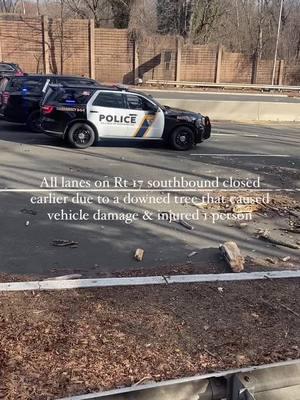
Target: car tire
[
  {"x": 33, "y": 122},
  {"x": 81, "y": 135},
  {"x": 182, "y": 138}
]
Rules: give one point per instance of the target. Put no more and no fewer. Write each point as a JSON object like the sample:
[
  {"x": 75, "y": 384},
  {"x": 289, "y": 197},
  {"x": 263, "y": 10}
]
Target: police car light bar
[{"x": 121, "y": 87}]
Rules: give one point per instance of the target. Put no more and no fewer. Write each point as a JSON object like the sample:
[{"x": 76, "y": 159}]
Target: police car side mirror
[{"x": 153, "y": 109}]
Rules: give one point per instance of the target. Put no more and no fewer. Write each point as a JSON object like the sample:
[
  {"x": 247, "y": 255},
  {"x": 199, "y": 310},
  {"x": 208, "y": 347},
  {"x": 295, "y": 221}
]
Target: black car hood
[{"x": 178, "y": 112}]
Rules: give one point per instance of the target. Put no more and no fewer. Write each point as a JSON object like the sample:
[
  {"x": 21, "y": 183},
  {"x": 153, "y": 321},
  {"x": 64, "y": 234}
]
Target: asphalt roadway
[{"x": 238, "y": 150}]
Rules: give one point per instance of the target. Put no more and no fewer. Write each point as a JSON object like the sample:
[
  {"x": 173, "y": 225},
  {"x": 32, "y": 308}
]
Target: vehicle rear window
[
  {"x": 33, "y": 85},
  {"x": 109, "y": 99},
  {"x": 69, "y": 96},
  {"x": 136, "y": 102}
]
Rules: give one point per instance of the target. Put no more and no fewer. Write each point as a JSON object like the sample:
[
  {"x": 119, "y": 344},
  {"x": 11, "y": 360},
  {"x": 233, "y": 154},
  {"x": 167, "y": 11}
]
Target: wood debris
[
  {"x": 64, "y": 243},
  {"x": 232, "y": 256},
  {"x": 265, "y": 235},
  {"x": 246, "y": 208},
  {"x": 271, "y": 260},
  {"x": 27, "y": 211},
  {"x": 139, "y": 254},
  {"x": 185, "y": 224}
]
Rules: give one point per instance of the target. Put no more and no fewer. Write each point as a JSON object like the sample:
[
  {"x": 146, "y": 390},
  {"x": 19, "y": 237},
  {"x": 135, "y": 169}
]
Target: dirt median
[{"x": 54, "y": 344}]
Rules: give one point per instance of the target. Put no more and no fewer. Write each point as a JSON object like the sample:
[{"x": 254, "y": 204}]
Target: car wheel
[
  {"x": 182, "y": 138},
  {"x": 81, "y": 135},
  {"x": 34, "y": 122}
]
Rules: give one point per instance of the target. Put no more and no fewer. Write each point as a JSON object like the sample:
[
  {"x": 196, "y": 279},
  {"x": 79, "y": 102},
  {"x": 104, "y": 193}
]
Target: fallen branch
[
  {"x": 294, "y": 213},
  {"x": 271, "y": 207},
  {"x": 212, "y": 354},
  {"x": 266, "y": 236},
  {"x": 146, "y": 378},
  {"x": 290, "y": 230},
  {"x": 177, "y": 220},
  {"x": 290, "y": 310},
  {"x": 185, "y": 224},
  {"x": 64, "y": 243},
  {"x": 246, "y": 208}
]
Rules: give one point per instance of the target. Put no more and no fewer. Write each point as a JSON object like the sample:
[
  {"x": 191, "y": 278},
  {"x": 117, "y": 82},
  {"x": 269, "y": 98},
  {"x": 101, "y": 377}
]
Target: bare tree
[
  {"x": 99, "y": 10},
  {"x": 205, "y": 17},
  {"x": 143, "y": 17},
  {"x": 289, "y": 45},
  {"x": 135, "y": 14},
  {"x": 174, "y": 16},
  {"x": 247, "y": 26},
  {"x": 120, "y": 11},
  {"x": 9, "y": 6}
]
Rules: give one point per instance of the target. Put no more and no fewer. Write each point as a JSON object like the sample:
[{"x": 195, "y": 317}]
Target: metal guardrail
[
  {"x": 280, "y": 88},
  {"x": 267, "y": 382}
]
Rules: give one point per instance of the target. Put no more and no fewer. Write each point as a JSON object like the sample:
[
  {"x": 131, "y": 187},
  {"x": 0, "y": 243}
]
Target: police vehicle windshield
[{"x": 153, "y": 100}]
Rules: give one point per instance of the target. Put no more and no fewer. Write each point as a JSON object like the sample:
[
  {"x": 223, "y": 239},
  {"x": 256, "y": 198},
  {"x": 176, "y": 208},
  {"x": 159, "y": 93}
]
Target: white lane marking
[
  {"x": 239, "y": 155},
  {"x": 233, "y": 134},
  {"x": 250, "y": 135}
]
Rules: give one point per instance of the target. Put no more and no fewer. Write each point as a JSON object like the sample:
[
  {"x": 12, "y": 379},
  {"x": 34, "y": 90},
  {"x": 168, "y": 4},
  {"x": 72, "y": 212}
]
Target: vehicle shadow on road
[{"x": 18, "y": 134}]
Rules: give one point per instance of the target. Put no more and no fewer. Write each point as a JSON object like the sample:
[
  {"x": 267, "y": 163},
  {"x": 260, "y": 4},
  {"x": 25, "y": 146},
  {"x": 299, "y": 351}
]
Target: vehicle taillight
[
  {"x": 47, "y": 109},
  {"x": 207, "y": 121},
  {"x": 19, "y": 73},
  {"x": 5, "y": 97}
]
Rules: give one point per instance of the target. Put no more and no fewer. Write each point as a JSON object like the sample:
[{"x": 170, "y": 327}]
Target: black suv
[
  {"x": 84, "y": 115},
  {"x": 22, "y": 96},
  {"x": 10, "y": 69}
]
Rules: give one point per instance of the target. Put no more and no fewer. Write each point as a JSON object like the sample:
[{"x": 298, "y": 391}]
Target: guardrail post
[
  {"x": 92, "y": 71},
  {"x": 219, "y": 64},
  {"x": 178, "y": 59},
  {"x": 45, "y": 44},
  {"x": 280, "y": 72}
]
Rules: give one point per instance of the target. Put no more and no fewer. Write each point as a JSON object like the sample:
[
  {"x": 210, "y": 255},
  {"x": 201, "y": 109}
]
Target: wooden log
[
  {"x": 294, "y": 213},
  {"x": 232, "y": 256},
  {"x": 246, "y": 208},
  {"x": 266, "y": 236}
]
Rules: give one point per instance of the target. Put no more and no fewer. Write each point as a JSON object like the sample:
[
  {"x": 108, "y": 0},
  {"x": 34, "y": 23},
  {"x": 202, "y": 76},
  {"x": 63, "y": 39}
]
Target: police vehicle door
[
  {"x": 150, "y": 119},
  {"x": 108, "y": 112}
]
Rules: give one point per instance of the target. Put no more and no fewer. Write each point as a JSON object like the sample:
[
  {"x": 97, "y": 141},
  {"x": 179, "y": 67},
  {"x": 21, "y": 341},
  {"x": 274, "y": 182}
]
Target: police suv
[{"x": 83, "y": 115}]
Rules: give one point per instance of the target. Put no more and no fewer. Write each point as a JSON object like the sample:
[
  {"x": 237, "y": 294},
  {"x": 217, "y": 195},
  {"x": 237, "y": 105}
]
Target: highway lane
[{"x": 239, "y": 150}]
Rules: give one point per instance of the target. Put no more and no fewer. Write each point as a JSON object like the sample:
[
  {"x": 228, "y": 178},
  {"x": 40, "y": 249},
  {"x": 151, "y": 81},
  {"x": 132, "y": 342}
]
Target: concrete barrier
[{"x": 239, "y": 110}]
